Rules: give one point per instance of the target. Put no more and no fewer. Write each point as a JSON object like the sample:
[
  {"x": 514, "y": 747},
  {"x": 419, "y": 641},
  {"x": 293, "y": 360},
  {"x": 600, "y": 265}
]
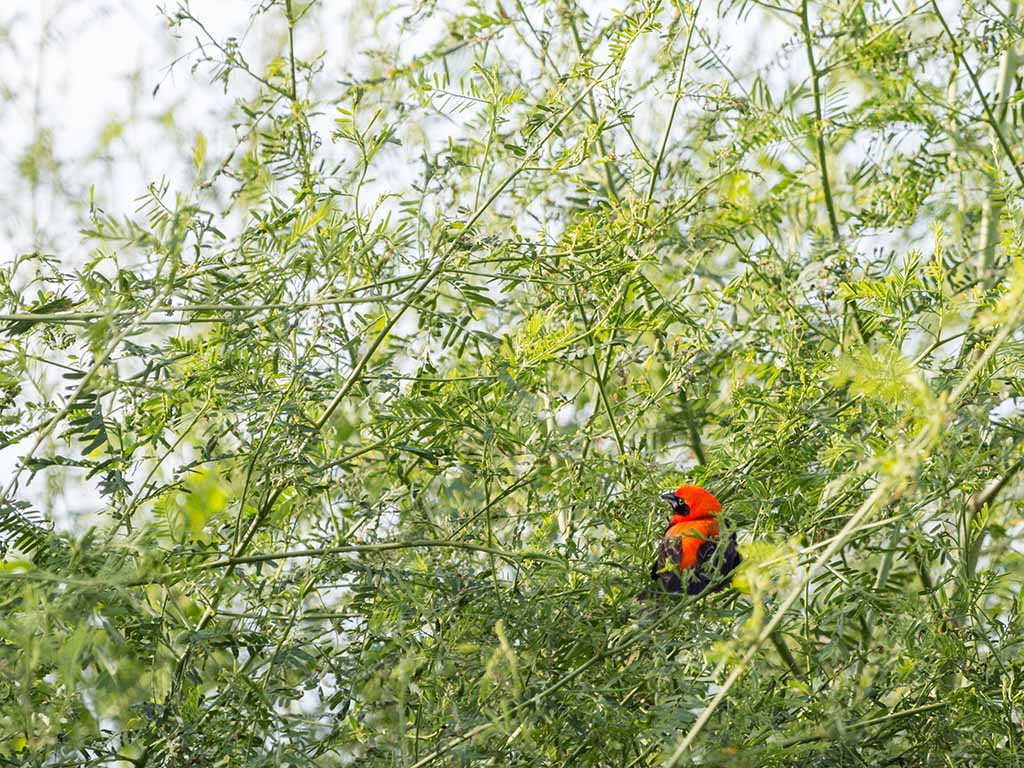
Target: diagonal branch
[
  {"x": 417, "y": 289},
  {"x": 992, "y": 120}
]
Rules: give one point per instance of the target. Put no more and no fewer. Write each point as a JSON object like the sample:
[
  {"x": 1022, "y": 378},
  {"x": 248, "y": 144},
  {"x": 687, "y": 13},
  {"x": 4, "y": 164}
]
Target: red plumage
[{"x": 688, "y": 556}]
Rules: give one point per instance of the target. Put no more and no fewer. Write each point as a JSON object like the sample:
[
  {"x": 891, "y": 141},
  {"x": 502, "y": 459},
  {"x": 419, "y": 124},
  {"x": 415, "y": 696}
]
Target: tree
[{"x": 376, "y": 405}]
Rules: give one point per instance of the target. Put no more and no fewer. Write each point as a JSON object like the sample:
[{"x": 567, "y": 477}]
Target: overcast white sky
[
  {"x": 83, "y": 72},
  {"x": 82, "y": 68}
]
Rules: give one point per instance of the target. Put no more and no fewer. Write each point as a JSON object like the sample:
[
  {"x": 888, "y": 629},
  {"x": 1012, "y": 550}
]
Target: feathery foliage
[{"x": 364, "y": 414}]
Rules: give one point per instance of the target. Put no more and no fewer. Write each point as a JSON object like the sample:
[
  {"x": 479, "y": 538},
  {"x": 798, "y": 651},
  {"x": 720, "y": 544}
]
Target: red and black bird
[{"x": 690, "y": 557}]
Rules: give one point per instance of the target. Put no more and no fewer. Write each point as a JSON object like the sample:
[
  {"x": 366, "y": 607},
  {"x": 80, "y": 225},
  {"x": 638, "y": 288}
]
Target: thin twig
[{"x": 672, "y": 113}]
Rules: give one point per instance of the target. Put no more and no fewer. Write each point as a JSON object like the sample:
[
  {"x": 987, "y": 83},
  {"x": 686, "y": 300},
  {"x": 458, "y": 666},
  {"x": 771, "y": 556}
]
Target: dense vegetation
[{"x": 371, "y": 409}]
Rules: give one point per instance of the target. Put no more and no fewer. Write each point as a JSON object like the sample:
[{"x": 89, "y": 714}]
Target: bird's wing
[
  {"x": 714, "y": 565},
  {"x": 731, "y": 557},
  {"x": 666, "y": 565}
]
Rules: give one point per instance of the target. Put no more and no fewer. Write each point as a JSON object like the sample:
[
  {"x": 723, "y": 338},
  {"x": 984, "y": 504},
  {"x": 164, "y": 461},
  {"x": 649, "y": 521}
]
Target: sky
[{"x": 82, "y": 75}]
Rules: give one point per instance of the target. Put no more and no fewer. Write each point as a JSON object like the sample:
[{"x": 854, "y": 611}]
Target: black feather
[
  {"x": 712, "y": 566},
  {"x": 666, "y": 565}
]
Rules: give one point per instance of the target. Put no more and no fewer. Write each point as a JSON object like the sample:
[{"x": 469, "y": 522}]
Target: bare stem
[{"x": 819, "y": 122}]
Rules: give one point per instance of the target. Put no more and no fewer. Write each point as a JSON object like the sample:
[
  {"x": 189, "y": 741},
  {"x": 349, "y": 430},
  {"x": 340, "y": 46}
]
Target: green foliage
[{"x": 370, "y": 410}]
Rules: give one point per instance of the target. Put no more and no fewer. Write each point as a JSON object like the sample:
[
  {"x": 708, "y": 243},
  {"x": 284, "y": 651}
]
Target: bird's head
[{"x": 691, "y": 502}]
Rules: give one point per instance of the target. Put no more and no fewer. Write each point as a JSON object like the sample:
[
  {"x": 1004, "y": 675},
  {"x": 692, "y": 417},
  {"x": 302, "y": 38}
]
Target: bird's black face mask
[{"x": 679, "y": 507}]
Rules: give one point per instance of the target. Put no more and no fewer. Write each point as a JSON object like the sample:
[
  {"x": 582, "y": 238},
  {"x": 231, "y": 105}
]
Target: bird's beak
[{"x": 669, "y": 495}]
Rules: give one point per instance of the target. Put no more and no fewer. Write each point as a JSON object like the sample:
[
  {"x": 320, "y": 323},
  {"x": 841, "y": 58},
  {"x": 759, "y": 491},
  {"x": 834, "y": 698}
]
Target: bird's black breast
[{"x": 713, "y": 565}]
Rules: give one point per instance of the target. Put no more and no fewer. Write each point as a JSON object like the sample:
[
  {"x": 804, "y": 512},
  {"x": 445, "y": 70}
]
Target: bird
[{"x": 689, "y": 557}]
